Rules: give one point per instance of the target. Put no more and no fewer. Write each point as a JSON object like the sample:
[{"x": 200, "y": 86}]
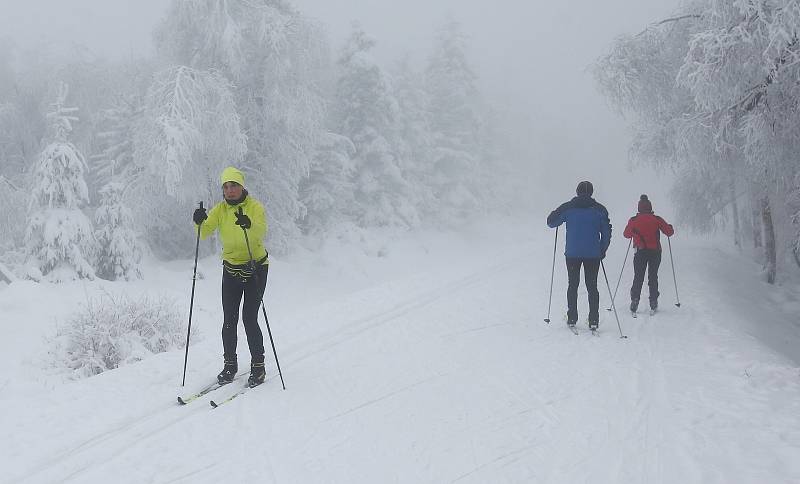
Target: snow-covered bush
[{"x": 114, "y": 330}]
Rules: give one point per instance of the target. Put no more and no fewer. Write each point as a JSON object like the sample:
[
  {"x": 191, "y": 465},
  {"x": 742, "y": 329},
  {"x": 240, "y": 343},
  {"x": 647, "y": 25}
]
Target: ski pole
[
  {"x": 675, "y": 279},
  {"x": 552, "y": 274},
  {"x": 612, "y": 299},
  {"x": 191, "y": 302},
  {"x": 620, "y": 273},
  {"x": 263, "y": 309}
]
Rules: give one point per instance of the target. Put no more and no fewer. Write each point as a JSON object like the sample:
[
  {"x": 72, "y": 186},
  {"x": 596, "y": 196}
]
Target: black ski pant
[
  {"x": 591, "y": 266},
  {"x": 252, "y": 288},
  {"x": 645, "y": 259}
]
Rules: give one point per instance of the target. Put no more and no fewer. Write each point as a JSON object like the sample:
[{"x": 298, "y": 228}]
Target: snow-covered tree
[
  {"x": 415, "y": 139},
  {"x": 119, "y": 251},
  {"x": 115, "y": 140},
  {"x": 6, "y": 72},
  {"x": 10, "y": 161},
  {"x": 10, "y": 217},
  {"x": 714, "y": 89},
  {"x": 327, "y": 193},
  {"x": 366, "y": 111},
  {"x": 188, "y": 132},
  {"x": 455, "y": 123},
  {"x": 22, "y": 126},
  {"x": 275, "y": 57},
  {"x": 59, "y": 237}
]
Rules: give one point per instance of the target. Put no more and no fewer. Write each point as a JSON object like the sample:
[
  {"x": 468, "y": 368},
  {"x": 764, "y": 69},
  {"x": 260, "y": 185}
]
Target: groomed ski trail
[{"x": 448, "y": 374}]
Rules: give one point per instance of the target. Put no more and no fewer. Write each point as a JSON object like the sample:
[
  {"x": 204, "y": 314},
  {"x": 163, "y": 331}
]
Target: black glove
[
  {"x": 603, "y": 254},
  {"x": 242, "y": 220},
  {"x": 199, "y": 216}
]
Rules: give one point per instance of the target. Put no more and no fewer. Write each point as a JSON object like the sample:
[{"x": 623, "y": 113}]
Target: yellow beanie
[{"x": 231, "y": 174}]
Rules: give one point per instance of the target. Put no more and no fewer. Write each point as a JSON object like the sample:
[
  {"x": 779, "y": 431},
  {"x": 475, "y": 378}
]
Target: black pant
[
  {"x": 252, "y": 288},
  {"x": 648, "y": 259},
  {"x": 590, "y": 269}
]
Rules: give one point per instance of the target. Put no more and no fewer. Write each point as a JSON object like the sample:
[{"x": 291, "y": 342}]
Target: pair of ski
[
  {"x": 212, "y": 387},
  {"x": 652, "y": 312},
  {"x": 576, "y": 332}
]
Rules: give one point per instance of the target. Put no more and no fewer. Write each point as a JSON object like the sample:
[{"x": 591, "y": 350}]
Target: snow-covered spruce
[
  {"x": 59, "y": 239},
  {"x": 367, "y": 112},
  {"x": 119, "y": 252},
  {"x": 456, "y": 128}
]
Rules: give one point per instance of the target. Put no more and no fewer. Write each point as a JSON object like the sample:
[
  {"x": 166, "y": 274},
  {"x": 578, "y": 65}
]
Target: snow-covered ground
[{"x": 425, "y": 360}]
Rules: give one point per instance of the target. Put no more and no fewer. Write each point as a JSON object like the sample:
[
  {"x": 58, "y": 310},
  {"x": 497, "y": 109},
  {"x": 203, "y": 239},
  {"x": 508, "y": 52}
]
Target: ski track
[
  {"x": 423, "y": 297},
  {"x": 128, "y": 433},
  {"x": 473, "y": 387}
]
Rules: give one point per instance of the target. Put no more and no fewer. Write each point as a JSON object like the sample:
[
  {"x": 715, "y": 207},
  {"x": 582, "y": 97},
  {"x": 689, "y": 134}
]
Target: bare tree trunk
[
  {"x": 755, "y": 220},
  {"x": 769, "y": 240},
  {"x": 737, "y": 230}
]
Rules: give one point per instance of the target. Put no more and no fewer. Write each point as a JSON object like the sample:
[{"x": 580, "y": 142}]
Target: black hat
[{"x": 584, "y": 188}]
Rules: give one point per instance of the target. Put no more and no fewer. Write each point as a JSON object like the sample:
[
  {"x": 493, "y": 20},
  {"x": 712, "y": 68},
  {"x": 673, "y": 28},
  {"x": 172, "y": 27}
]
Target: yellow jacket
[{"x": 234, "y": 247}]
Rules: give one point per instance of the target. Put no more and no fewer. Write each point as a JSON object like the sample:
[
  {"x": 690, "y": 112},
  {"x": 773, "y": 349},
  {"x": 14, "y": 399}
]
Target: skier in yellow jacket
[{"x": 244, "y": 270}]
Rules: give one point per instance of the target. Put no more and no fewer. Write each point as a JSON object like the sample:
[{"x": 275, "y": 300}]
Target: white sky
[{"x": 532, "y": 58}]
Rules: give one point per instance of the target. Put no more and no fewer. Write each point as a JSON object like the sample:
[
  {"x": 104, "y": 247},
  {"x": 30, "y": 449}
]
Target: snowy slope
[{"x": 429, "y": 363}]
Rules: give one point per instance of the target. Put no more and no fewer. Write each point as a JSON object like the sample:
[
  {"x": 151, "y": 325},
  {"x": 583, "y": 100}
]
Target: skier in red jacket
[{"x": 645, "y": 228}]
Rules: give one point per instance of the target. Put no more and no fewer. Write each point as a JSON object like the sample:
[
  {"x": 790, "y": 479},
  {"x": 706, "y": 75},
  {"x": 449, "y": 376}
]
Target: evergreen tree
[
  {"x": 115, "y": 141},
  {"x": 6, "y": 73},
  {"x": 119, "y": 252},
  {"x": 416, "y": 141},
  {"x": 455, "y": 123},
  {"x": 366, "y": 111},
  {"x": 327, "y": 193},
  {"x": 59, "y": 237},
  {"x": 9, "y": 194}
]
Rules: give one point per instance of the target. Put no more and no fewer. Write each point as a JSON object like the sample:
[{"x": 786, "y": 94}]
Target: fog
[
  {"x": 391, "y": 220},
  {"x": 533, "y": 60}
]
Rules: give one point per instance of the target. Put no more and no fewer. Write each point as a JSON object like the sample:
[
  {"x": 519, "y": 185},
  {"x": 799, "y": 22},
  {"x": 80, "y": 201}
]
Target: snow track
[{"x": 442, "y": 374}]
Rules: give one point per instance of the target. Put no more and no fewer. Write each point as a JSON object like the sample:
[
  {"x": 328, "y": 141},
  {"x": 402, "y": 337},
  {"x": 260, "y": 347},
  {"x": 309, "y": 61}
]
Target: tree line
[
  {"x": 713, "y": 94},
  {"x": 103, "y": 160}
]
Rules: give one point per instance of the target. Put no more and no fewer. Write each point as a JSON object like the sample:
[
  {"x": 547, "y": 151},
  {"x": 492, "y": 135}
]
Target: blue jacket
[{"x": 588, "y": 227}]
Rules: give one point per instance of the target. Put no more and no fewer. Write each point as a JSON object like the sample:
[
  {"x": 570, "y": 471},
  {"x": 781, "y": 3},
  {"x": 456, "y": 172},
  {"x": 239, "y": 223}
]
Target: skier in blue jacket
[{"x": 588, "y": 237}]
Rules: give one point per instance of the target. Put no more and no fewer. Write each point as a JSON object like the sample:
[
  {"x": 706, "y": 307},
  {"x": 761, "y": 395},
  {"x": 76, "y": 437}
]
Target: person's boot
[
  {"x": 634, "y": 305},
  {"x": 257, "y": 374},
  {"x": 653, "y": 305},
  {"x": 594, "y": 323},
  {"x": 571, "y": 321},
  {"x": 257, "y": 371},
  {"x": 228, "y": 372}
]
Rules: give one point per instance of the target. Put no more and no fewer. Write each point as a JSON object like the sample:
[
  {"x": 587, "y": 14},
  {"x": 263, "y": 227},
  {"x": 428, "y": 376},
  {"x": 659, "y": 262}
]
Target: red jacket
[{"x": 644, "y": 228}]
